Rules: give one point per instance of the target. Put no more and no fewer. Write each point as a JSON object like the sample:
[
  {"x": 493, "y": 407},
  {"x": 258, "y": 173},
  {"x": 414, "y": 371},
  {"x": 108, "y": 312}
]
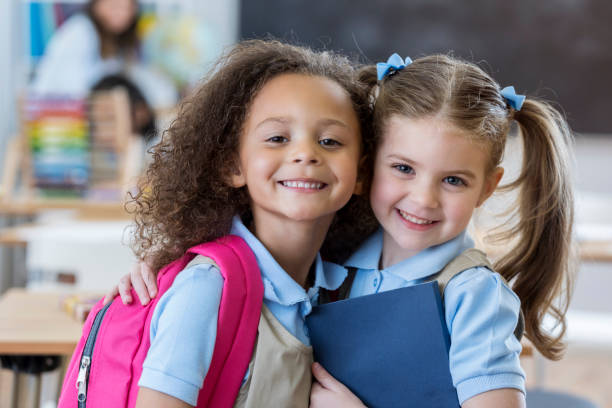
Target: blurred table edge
[
  {"x": 33, "y": 323},
  {"x": 98, "y": 209},
  {"x": 596, "y": 251}
]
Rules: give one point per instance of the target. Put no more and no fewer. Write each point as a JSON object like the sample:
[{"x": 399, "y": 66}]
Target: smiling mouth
[
  {"x": 303, "y": 184},
  {"x": 414, "y": 219}
]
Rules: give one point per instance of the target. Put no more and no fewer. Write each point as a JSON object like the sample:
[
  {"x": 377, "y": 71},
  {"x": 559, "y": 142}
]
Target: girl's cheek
[
  {"x": 461, "y": 210},
  {"x": 384, "y": 189}
]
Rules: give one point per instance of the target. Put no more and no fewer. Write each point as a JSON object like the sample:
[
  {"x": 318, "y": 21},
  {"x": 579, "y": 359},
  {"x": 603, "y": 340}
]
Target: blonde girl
[{"x": 442, "y": 125}]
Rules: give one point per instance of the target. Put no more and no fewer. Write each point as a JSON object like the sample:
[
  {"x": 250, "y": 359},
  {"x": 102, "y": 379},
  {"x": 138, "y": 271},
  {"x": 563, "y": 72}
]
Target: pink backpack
[{"x": 107, "y": 362}]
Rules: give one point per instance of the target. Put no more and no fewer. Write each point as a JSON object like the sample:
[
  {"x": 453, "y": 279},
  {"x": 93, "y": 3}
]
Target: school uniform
[
  {"x": 183, "y": 332},
  {"x": 481, "y": 312}
]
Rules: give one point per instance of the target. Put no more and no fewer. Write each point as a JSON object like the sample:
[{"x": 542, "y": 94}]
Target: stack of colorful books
[{"x": 58, "y": 136}]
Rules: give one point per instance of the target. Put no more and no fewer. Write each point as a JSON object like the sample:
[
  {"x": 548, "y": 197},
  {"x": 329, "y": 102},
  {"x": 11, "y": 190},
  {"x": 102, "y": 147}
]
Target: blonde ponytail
[{"x": 540, "y": 263}]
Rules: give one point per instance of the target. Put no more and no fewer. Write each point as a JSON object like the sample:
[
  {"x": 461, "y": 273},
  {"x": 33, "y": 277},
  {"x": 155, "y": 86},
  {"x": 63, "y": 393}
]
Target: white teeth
[
  {"x": 302, "y": 184},
  {"x": 415, "y": 220}
]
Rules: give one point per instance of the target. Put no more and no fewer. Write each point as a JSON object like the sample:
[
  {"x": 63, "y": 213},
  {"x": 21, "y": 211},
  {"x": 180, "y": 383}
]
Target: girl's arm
[
  {"x": 502, "y": 398},
  {"x": 148, "y": 398},
  {"x": 481, "y": 313},
  {"x": 329, "y": 392}
]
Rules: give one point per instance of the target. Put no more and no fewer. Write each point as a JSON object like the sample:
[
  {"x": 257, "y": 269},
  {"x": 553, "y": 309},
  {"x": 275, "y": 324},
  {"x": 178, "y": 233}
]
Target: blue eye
[
  {"x": 329, "y": 142},
  {"x": 277, "y": 139},
  {"x": 454, "y": 181},
  {"x": 403, "y": 168}
]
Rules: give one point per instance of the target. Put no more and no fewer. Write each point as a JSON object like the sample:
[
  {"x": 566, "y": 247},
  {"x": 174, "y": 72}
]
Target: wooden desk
[
  {"x": 90, "y": 208},
  {"x": 596, "y": 251},
  {"x": 33, "y": 323}
]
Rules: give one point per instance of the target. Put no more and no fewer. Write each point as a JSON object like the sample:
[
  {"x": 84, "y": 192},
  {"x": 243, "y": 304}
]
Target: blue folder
[{"x": 390, "y": 348}]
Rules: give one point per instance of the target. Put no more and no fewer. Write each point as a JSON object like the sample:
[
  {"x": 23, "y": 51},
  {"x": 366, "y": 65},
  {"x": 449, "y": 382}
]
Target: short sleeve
[
  {"x": 481, "y": 315},
  {"x": 183, "y": 333}
]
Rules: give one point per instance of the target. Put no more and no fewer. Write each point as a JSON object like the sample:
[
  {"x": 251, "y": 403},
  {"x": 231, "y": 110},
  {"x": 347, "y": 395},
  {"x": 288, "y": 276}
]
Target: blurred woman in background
[{"x": 99, "y": 42}]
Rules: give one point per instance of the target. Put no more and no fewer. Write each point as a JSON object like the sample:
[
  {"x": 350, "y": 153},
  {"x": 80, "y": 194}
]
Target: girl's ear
[
  {"x": 237, "y": 179},
  {"x": 490, "y": 185}
]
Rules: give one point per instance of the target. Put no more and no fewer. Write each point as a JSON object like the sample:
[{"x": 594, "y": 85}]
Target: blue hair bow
[
  {"x": 514, "y": 100},
  {"x": 394, "y": 63}
]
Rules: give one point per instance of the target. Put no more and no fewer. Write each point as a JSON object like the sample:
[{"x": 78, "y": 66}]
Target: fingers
[
  {"x": 144, "y": 282},
  {"x": 110, "y": 295},
  {"x": 149, "y": 278},
  {"x": 324, "y": 378},
  {"x": 142, "y": 279},
  {"x": 138, "y": 283},
  {"x": 124, "y": 287}
]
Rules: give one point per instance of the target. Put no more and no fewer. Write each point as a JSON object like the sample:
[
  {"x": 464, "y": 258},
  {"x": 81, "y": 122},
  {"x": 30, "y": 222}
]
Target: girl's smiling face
[
  {"x": 299, "y": 149},
  {"x": 428, "y": 179}
]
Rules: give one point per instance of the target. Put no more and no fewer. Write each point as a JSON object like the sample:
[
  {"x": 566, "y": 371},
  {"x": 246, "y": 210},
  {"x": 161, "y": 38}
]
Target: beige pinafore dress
[{"x": 279, "y": 370}]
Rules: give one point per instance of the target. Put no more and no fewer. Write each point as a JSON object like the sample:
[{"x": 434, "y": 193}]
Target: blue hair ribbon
[
  {"x": 393, "y": 64},
  {"x": 511, "y": 97}
]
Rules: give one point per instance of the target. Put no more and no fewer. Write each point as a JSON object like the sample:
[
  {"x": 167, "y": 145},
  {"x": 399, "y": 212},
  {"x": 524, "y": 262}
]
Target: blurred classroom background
[{"x": 68, "y": 161}]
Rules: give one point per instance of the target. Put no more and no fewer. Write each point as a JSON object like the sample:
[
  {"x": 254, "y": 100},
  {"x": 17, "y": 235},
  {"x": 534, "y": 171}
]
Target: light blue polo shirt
[
  {"x": 184, "y": 323},
  {"x": 481, "y": 312}
]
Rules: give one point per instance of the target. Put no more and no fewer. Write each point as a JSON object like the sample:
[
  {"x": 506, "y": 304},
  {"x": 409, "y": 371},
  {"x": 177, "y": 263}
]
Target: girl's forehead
[
  {"x": 395, "y": 126},
  {"x": 319, "y": 86},
  {"x": 302, "y": 96},
  {"x": 431, "y": 139}
]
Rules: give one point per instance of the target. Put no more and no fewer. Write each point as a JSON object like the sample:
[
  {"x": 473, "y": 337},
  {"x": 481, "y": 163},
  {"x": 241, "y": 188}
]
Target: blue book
[{"x": 390, "y": 349}]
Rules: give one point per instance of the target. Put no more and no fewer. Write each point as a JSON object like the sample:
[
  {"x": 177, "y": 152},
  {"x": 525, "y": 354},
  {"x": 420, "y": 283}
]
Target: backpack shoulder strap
[
  {"x": 201, "y": 260},
  {"x": 239, "y": 314},
  {"x": 472, "y": 258},
  {"x": 343, "y": 292}
]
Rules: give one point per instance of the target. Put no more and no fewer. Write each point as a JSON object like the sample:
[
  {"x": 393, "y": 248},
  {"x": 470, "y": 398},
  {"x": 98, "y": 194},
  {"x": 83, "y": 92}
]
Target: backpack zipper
[{"x": 83, "y": 377}]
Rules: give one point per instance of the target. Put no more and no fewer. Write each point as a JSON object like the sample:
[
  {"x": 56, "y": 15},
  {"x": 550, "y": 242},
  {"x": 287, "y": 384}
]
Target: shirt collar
[
  {"x": 419, "y": 266},
  {"x": 279, "y": 287},
  {"x": 431, "y": 260},
  {"x": 368, "y": 254}
]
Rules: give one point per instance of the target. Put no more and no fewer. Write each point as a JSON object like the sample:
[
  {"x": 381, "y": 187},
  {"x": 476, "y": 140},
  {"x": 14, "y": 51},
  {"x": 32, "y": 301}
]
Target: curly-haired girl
[{"x": 267, "y": 149}]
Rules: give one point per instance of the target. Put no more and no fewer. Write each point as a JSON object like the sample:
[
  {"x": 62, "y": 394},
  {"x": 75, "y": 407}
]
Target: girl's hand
[
  {"x": 329, "y": 392},
  {"x": 142, "y": 279}
]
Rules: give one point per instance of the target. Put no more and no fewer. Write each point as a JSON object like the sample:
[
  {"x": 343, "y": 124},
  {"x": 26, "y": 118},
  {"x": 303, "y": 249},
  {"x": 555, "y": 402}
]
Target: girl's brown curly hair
[{"x": 183, "y": 198}]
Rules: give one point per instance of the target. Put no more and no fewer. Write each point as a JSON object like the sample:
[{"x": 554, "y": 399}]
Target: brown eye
[
  {"x": 329, "y": 142},
  {"x": 277, "y": 139}
]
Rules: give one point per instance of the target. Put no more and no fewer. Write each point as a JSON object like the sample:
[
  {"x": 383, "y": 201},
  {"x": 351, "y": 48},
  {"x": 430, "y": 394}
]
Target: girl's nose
[
  {"x": 306, "y": 153},
  {"x": 425, "y": 195}
]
